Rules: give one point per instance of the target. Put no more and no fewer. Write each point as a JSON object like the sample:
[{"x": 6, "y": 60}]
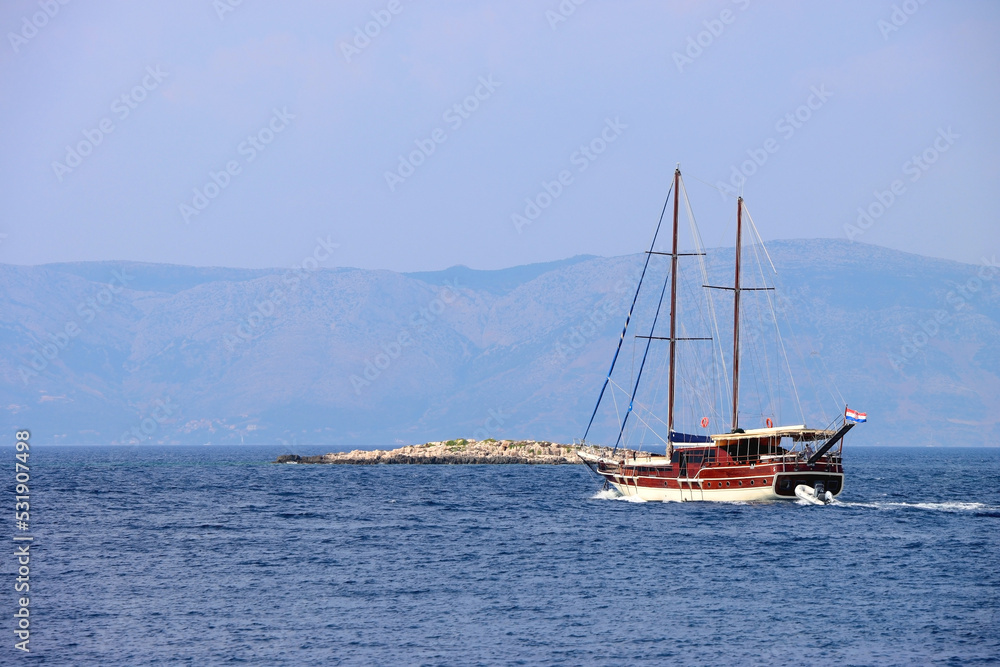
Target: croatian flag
[{"x": 855, "y": 416}]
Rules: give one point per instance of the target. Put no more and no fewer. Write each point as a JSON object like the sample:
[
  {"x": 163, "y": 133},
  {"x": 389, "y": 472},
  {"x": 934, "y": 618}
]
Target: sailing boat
[{"x": 771, "y": 463}]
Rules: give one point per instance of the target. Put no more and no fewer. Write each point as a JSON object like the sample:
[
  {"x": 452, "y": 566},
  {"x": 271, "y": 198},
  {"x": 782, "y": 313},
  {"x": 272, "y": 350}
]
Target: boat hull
[
  {"x": 645, "y": 480},
  {"x": 698, "y": 492}
]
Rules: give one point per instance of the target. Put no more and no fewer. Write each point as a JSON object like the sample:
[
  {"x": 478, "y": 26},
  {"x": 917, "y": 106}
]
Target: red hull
[{"x": 712, "y": 468}]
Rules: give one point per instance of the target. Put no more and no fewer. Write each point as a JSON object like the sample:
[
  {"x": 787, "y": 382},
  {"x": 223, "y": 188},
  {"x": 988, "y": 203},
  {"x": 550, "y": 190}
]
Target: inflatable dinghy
[{"x": 817, "y": 496}]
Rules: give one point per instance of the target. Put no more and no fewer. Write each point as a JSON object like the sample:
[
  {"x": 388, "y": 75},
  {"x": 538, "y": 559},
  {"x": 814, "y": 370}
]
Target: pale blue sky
[{"x": 331, "y": 124}]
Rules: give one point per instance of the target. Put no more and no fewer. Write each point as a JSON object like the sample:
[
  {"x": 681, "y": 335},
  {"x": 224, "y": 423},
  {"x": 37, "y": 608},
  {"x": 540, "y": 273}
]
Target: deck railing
[{"x": 790, "y": 458}]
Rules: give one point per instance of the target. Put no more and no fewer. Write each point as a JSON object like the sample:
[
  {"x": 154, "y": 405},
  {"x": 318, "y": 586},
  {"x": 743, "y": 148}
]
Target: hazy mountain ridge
[{"x": 352, "y": 357}]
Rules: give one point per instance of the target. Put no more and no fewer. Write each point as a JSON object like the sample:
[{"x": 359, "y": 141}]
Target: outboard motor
[{"x": 817, "y": 495}]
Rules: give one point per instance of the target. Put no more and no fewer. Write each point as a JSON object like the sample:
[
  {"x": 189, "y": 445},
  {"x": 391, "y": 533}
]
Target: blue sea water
[{"x": 212, "y": 555}]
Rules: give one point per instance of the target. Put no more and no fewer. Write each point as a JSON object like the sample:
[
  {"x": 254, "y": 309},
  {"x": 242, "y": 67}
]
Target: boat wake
[
  {"x": 611, "y": 494},
  {"x": 953, "y": 506}
]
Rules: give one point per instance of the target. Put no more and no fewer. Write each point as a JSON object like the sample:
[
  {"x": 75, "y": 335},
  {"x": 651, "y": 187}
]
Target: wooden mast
[
  {"x": 736, "y": 316},
  {"x": 673, "y": 313}
]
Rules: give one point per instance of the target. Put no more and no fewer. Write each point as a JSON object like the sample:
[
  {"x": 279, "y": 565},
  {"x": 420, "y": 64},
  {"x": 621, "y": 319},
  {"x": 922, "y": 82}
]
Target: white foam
[
  {"x": 606, "y": 494},
  {"x": 953, "y": 506},
  {"x": 611, "y": 494}
]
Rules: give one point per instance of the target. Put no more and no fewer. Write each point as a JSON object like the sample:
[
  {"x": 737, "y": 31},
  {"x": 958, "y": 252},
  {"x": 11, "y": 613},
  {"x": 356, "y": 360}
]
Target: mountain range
[{"x": 132, "y": 353}]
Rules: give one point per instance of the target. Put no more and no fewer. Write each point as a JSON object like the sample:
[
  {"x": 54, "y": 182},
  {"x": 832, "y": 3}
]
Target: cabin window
[
  {"x": 751, "y": 482},
  {"x": 727, "y": 483}
]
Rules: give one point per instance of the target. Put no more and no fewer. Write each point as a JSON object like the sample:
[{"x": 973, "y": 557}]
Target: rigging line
[
  {"x": 711, "y": 409},
  {"x": 617, "y": 412},
  {"x": 805, "y": 366},
  {"x": 827, "y": 381},
  {"x": 695, "y": 356},
  {"x": 623, "y": 390},
  {"x": 656, "y": 391},
  {"x": 764, "y": 281},
  {"x": 780, "y": 338},
  {"x": 718, "y": 352},
  {"x": 629, "y": 316},
  {"x": 759, "y": 367},
  {"x": 695, "y": 390},
  {"x": 754, "y": 242},
  {"x": 642, "y": 408},
  {"x": 631, "y": 368},
  {"x": 696, "y": 383},
  {"x": 833, "y": 382},
  {"x": 788, "y": 363},
  {"x": 650, "y": 429},
  {"x": 711, "y": 303},
  {"x": 838, "y": 399},
  {"x": 757, "y": 234},
  {"x": 714, "y": 187},
  {"x": 645, "y": 407},
  {"x": 642, "y": 363},
  {"x": 771, "y": 384},
  {"x": 618, "y": 415},
  {"x": 619, "y": 387}
]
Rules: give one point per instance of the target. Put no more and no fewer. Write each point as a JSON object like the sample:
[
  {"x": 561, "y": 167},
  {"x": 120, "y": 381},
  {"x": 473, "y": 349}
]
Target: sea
[{"x": 211, "y": 555}]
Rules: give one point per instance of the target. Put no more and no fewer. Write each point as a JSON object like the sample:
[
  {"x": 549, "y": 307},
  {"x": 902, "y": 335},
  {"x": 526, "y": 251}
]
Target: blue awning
[{"x": 687, "y": 437}]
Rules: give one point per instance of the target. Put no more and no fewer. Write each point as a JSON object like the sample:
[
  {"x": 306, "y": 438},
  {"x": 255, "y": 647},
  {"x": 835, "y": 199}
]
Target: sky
[{"x": 421, "y": 135}]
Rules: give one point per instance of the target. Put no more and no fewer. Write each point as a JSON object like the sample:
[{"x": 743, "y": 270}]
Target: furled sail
[{"x": 687, "y": 437}]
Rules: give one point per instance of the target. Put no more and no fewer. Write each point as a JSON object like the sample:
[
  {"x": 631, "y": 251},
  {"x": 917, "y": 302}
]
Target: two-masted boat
[{"x": 756, "y": 464}]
